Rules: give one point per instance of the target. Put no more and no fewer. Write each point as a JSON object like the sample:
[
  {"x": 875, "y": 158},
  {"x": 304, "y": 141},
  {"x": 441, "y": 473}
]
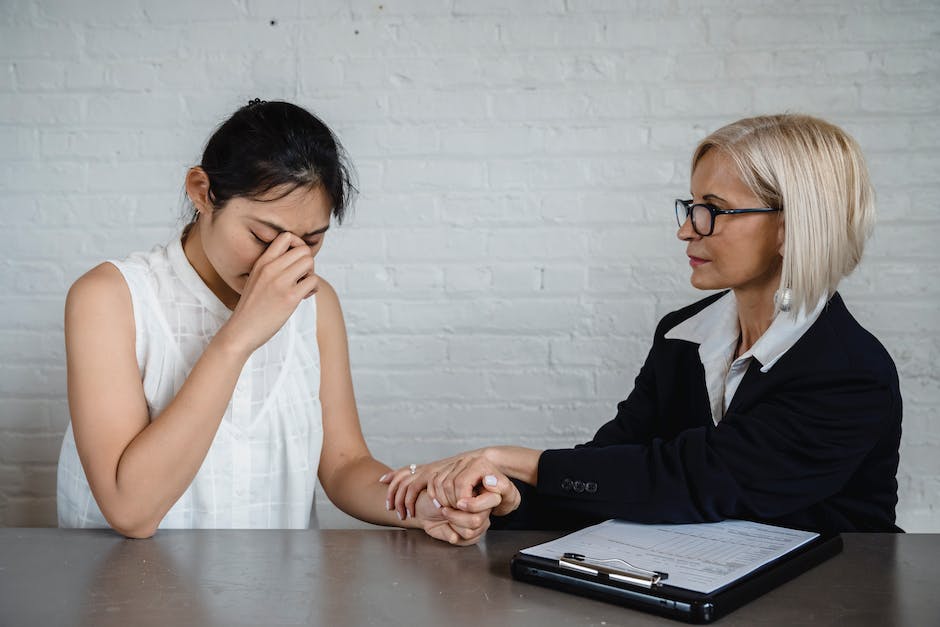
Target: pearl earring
[{"x": 783, "y": 299}]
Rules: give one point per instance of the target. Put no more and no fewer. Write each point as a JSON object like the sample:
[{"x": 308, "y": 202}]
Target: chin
[{"x": 700, "y": 282}]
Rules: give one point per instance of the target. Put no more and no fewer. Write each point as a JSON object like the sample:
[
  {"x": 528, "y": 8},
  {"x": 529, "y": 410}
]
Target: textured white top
[
  {"x": 261, "y": 469},
  {"x": 716, "y": 330}
]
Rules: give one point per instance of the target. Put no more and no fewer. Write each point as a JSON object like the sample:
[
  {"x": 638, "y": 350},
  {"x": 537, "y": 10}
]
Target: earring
[{"x": 783, "y": 298}]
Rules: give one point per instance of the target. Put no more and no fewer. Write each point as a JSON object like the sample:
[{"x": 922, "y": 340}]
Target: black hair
[{"x": 269, "y": 145}]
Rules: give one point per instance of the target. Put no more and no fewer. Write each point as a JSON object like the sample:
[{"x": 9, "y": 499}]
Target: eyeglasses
[{"x": 703, "y": 215}]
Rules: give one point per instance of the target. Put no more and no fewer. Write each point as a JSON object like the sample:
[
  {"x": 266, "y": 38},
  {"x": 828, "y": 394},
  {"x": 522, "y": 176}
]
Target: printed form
[{"x": 700, "y": 557}]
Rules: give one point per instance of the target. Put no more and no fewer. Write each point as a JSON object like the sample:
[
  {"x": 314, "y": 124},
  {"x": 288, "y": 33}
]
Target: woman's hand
[
  {"x": 280, "y": 278},
  {"x": 460, "y": 528},
  {"x": 405, "y": 486},
  {"x": 466, "y": 484},
  {"x": 463, "y": 477}
]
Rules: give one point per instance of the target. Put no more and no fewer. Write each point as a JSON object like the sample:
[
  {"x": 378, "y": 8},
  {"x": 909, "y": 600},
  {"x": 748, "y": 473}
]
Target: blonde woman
[{"x": 766, "y": 401}]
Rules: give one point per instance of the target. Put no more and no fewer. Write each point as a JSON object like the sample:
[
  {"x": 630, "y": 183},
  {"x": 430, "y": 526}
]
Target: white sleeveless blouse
[{"x": 261, "y": 469}]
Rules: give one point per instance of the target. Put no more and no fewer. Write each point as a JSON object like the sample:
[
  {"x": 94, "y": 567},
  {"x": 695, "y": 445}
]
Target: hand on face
[{"x": 281, "y": 277}]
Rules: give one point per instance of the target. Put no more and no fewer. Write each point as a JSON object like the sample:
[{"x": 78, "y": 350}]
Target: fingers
[
  {"x": 407, "y": 491},
  {"x": 509, "y": 494},
  {"x": 497, "y": 482},
  {"x": 485, "y": 501},
  {"x": 281, "y": 252},
  {"x": 469, "y": 527},
  {"x": 468, "y": 520},
  {"x": 395, "y": 480},
  {"x": 293, "y": 265},
  {"x": 443, "y": 531},
  {"x": 278, "y": 246},
  {"x": 307, "y": 286},
  {"x": 463, "y": 480},
  {"x": 398, "y": 504},
  {"x": 458, "y": 536},
  {"x": 443, "y": 482},
  {"x": 412, "y": 490}
]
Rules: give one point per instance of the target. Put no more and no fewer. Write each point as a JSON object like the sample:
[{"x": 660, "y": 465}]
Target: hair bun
[{"x": 254, "y": 102}]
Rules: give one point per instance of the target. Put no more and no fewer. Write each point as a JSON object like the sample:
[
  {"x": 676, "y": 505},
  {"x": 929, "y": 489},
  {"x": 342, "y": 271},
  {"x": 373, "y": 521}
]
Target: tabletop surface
[{"x": 396, "y": 577}]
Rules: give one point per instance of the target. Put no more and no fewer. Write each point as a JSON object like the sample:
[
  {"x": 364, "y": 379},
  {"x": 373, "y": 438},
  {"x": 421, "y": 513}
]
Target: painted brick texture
[{"x": 513, "y": 244}]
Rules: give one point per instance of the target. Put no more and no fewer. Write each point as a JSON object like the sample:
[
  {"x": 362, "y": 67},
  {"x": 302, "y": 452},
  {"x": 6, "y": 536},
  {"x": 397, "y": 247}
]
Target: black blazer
[{"x": 811, "y": 444}]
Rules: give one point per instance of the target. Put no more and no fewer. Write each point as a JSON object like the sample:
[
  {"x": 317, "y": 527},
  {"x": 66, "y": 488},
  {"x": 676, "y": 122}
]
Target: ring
[{"x": 413, "y": 468}]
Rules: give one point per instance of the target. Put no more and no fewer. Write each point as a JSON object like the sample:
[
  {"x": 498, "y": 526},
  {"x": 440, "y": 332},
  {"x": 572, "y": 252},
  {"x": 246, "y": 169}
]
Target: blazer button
[
  {"x": 578, "y": 486},
  {"x": 591, "y": 487},
  {"x": 566, "y": 484}
]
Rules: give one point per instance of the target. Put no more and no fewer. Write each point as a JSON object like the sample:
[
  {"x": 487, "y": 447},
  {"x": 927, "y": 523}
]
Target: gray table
[{"x": 394, "y": 577}]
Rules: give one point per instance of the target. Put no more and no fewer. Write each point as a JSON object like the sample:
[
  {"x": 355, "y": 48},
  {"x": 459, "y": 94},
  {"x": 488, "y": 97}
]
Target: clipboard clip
[{"x": 625, "y": 572}]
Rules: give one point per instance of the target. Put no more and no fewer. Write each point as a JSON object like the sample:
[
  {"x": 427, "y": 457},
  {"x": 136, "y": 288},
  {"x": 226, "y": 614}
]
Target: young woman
[
  {"x": 209, "y": 379},
  {"x": 766, "y": 401}
]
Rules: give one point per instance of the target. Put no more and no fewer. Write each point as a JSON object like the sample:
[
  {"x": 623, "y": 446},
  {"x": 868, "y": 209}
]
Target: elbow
[
  {"x": 131, "y": 525},
  {"x": 136, "y": 533}
]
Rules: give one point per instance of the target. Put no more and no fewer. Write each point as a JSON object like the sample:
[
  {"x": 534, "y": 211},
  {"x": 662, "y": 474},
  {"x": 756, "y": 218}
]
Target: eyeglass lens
[{"x": 701, "y": 217}]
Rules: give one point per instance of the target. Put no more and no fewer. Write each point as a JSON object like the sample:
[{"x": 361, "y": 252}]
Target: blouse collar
[
  {"x": 191, "y": 279},
  {"x": 716, "y": 326}
]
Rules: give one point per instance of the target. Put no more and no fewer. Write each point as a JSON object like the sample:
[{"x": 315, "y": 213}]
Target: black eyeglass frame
[{"x": 687, "y": 207}]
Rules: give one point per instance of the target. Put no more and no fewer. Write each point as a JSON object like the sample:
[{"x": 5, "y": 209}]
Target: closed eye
[{"x": 259, "y": 240}]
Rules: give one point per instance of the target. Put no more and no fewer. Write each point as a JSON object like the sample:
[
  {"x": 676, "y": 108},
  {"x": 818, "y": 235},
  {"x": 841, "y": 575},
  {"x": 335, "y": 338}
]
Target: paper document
[{"x": 700, "y": 557}]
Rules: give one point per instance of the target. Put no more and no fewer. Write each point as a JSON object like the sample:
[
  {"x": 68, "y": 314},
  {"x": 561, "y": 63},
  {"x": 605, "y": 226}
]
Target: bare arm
[
  {"x": 348, "y": 472},
  {"x": 137, "y": 467}
]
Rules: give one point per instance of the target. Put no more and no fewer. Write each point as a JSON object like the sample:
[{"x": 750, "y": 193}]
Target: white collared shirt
[{"x": 716, "y": 330}]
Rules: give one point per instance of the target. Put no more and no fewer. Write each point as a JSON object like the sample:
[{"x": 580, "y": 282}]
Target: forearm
[
  {"x": 517, "y": 462},
  {"x": 355, "y": 489},
  {"x": 159, "y": 464}
]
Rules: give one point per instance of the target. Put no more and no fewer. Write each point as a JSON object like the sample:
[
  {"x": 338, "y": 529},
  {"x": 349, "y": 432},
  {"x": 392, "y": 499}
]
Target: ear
[{"x": 197, "y": 188}]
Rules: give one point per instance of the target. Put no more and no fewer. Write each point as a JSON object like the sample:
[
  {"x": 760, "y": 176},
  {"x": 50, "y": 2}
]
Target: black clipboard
[{"x": 670, "y": 601}]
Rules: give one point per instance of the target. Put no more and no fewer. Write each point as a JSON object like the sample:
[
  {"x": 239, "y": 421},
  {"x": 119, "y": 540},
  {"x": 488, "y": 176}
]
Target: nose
[{"x": 686, "y": 233}]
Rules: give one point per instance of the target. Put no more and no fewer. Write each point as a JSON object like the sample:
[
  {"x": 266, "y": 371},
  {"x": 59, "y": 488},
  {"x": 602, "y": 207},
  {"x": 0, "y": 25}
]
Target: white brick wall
[{"x": 514, "y": 243}]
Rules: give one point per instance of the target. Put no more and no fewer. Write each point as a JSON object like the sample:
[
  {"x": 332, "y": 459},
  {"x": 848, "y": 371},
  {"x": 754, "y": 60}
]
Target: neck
[
  {"x": 755, "y": 314},
  {"x": 196, "y": 255}
]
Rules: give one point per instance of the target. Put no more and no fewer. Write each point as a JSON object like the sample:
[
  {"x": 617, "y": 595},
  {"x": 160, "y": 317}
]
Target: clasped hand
[{"x": 464, "y": 490}]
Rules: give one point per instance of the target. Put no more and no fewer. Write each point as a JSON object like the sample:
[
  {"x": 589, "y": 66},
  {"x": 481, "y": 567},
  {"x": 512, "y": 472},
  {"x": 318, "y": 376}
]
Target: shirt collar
[
  {"x": 716, "y": 326},
  {"x": 191, "y": 279}
]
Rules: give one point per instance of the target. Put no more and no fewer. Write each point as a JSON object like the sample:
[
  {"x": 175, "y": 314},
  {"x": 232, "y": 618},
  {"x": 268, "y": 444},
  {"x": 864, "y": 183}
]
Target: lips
[{"x": 697, "y": 261}]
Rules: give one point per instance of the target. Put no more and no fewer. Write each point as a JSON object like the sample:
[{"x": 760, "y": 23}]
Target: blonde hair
[{"x": 815, "y": 172}]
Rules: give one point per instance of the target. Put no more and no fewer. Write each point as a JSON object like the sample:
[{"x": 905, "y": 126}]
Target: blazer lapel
[{"x": 752, "y": 387}]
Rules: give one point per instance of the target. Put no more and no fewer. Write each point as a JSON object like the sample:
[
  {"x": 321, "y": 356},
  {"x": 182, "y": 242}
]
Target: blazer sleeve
[
  {"x": 633, "y": 424},
  {"x": 794, "y": 448}
]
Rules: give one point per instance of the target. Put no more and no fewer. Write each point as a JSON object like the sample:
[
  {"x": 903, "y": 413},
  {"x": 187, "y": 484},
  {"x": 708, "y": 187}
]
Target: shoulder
[
  {"x": 840, "y": 340},
  {"x": 99, "y": 300},
  {"x": 329, "y": 311},
  {"x": 327, "y": 300},
  {"x": 102, "y": 287},
  {"x": 678, "y": 316}
]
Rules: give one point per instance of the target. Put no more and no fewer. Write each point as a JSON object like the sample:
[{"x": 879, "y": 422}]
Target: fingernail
[
  {"x": 490, "y": 480},
  {"x": 388, "y": 505},
  {"x": 382, "y": 478},
  {"x": 397, "y": 513},
  {"x": 437, "y": 504},
  {"x": 409, "y": 513},
  {"x": 462, "y": 503}
]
